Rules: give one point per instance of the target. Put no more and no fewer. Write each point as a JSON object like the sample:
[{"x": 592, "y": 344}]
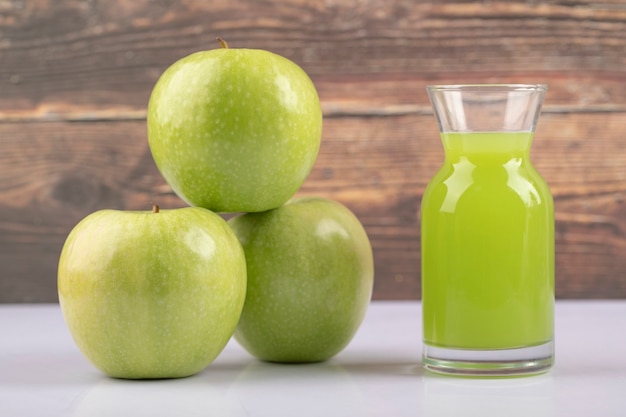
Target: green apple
[
  {"x": 152, "y": 294},
  {"x": 310, "y": 277},
  {"x": 234, "y": 130}
]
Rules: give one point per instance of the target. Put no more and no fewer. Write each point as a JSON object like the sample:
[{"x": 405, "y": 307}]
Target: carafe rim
[{"x": 491, "y": 87}]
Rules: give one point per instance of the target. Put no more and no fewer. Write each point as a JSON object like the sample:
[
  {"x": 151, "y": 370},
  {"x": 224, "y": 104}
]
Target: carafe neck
[{"x": 486, "y": 147}]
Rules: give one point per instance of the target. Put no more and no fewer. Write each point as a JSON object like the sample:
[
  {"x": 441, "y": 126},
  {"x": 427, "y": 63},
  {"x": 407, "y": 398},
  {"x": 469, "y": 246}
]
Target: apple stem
[
  {"x": 155, "y": 208},
  {"x": 222, "y": 42}
]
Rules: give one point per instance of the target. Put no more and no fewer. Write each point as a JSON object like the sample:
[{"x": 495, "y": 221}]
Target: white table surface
[{"x": 42, "y": 373}]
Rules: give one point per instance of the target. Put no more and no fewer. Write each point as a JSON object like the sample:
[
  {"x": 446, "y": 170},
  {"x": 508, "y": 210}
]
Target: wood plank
[
  {"x": 54, "y": 174},
  {"x": 377, "y": 166},
  {"x": 100, "y": 59}
]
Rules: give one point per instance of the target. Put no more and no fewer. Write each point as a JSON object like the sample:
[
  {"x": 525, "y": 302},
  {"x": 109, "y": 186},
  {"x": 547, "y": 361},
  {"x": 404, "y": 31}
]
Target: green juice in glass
[{"x": 487, "y": 246}]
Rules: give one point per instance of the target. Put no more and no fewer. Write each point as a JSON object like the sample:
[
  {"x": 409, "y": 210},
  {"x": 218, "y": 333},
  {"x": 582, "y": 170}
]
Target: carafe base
[{"x": 489, "y": 363}]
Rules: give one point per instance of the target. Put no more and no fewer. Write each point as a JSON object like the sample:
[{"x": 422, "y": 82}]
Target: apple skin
[
  {"x": 310, "y": 277},
  {"x": 234, "y": 130},
  {"x": 151, "y": 295}
]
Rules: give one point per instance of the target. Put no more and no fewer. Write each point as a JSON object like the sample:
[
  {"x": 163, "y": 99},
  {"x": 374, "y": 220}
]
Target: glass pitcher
[{"x": 487, "y": 227}]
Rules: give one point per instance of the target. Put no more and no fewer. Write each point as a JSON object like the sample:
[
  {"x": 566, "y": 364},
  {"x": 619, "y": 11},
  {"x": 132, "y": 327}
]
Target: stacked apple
[{"x": 159, "y": 294}]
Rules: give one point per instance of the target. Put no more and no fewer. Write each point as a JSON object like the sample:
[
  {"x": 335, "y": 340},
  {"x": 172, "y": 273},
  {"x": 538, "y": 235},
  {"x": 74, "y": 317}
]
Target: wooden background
[{"x": 75, "y": 77}]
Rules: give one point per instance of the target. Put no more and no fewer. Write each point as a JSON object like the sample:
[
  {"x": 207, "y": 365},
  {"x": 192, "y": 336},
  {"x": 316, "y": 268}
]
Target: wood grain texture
[{"x": 75, "y": 77}]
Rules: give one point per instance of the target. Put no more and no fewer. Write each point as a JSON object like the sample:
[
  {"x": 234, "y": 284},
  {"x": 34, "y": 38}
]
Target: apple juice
[{"x": 487, "y": 246}]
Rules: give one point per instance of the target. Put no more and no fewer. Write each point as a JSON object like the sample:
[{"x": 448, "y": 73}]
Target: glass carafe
[{"x": 487, "y": 227}]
